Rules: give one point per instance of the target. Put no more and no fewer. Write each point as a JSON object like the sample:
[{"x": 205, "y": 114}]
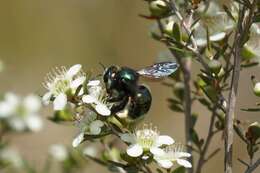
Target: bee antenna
[{"x": 102, "y": 65}]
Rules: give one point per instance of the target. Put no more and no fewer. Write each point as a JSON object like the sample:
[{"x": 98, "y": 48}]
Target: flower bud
[
  {"x": 169, "y": 27},
  {"x": 158, "y": 8},
  {"x": 257, "y": 89},
  {"x": 215, "y": 66},
  {"x": 253, "y": 132}
]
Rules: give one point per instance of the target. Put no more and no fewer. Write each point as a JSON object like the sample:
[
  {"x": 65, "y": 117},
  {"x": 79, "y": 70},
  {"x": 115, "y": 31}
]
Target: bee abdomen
[{"x": 140, "y": 103}]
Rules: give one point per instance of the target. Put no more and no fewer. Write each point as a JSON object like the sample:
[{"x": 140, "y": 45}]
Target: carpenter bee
[{"x": 129, "y": 99}]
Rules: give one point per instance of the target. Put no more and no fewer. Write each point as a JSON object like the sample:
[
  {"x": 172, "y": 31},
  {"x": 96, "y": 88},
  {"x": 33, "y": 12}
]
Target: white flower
[
  {"x": 62, "y": 82},
  {"x": 171, "y": 154},
  {"x": 12, "y": 157},
  {"x": 217, "y": 22},
  {"x": 59, "y": 152},
  {"x": 89, "y": 125},
  {"x": 251, "y": 48},
  {"x": 8, "y": 105},
  {"x": 78, "y": 139},
  {"x": 145, "y": 139},
  {"x": 90, "y": 151},
  {"x": 95, "y": 97},
  {"x": 21, "y": 114}
]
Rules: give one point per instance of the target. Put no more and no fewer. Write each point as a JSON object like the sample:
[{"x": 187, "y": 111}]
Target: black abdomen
[{"x": 140, "y": 103}]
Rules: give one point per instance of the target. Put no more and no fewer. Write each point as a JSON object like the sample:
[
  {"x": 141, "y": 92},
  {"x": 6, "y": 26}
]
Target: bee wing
[{"x": 159, "y": 70}]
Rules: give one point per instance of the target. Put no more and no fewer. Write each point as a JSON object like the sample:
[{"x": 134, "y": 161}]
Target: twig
[
  {"x": 243, "y": 26},
  {"x": 212, "y": 154},
  {"x": 186, "y": 70},
  {"x": 211, "y": 133},
  {"x": 194, "y": 50},
  {"x": 253, "y": 167},
  {"x": 243, "y": 162}
]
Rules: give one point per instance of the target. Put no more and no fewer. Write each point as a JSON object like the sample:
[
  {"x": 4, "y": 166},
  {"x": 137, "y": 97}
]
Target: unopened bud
[
  {"x": 169, "y": 27},
  {"x": 215, "y": 66},
  {"x": 257, "y": 89},
  {"x": 158, "y": 8}
]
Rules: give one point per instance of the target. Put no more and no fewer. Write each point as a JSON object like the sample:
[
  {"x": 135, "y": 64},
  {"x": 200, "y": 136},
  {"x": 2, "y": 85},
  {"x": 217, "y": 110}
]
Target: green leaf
[
  {"x": 194, "y": 118},
  {"x": 256, "y": 18},
  {"x": 176, "y": 108},
  {"x": 240, "y": 132},
  {"x": 205, "y": 102},
  {"x": 195, "y": 138},
  {"x": 251, "y": 109},
  {"x": 247, "y": 65},
  {"x": 155, "y": 36},
  {"x": 62, "y": 116},
  {"x": 179, "y": 170},
  {"x": 176, "y": 32}
]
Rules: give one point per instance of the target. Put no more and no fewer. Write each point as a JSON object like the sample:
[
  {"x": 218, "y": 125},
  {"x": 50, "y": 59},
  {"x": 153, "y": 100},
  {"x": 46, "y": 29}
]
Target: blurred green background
[{"x": 37, "y": 35}]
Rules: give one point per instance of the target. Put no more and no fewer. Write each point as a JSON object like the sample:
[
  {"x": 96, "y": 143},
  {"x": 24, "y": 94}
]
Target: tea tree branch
[
  {"x": 186, "y": 70},
  {"x": 253, "y": 167},
  {"x": 211, "y": 133},
  {"x": 243, "y": 26}
]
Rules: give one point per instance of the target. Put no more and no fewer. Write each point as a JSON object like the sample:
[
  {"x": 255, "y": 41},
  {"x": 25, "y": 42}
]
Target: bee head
[{"x": 109, "y": 76}]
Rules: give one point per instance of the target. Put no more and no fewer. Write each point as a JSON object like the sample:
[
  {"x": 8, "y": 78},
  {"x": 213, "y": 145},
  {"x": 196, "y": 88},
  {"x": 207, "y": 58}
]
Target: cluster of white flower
[
  {"x": 21, "y": 114},
  {"x": 11, "y": 156},
  {"x": 71, "y": 87},
  {"x": 148, "y": 140}
]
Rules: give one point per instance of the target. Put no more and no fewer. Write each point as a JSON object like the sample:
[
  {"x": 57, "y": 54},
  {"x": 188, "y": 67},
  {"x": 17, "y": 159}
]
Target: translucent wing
[{"x": 159, "y": 70}]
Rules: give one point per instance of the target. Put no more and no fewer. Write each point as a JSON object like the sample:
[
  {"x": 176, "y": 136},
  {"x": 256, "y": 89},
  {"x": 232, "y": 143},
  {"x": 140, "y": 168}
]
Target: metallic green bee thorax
[{"x": 128, "y": 74}]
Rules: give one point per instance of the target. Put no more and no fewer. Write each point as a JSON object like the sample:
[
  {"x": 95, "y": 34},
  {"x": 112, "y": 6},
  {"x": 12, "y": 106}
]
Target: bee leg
[
  {"x": 116, "y": 96},
  {"x": 120, "y": 105}
]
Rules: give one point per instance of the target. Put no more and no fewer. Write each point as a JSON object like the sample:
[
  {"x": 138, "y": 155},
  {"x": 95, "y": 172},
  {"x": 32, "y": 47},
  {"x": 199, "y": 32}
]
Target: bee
[{"x": 129, "y": 99}]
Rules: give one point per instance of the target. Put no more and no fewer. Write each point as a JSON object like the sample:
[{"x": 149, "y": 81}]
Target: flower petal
[
  {"x": 167, "y": 164},
  {"x": 217, "y": 37},
  {"x": 46, "y": 98},
  {"x": 103, "y": 110},
  {"x": 95, "y": 127},
  {"x": 184, "y": 163},
  {"x": 134, "y": 150},
  {"x": 93, "y": 83},
  {"x": 34, "y": 123},
  {"x": 157, "y": 151},
  {"x": 88, "y": 99},
  {"x": 73, "y": 70},
  {"x": 32, "y": 103},
  {"x": 6, "y": 110},
  {"x": 182, "y": 154},
  {"x": 78, "y": 140},
  {"x": 17, "y": 124},
  {"x": 128, "y": 137},
  {"x": 77, "y": 82},
  {"x": 90, "y": 151},
  {"x": 60, "y": 102},
  {"x": 164, "y": 140},
  {"x": 59, "y": 152}
]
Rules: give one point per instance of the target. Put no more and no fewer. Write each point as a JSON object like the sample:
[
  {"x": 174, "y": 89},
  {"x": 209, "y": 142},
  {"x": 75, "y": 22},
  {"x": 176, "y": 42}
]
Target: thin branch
[
  {"x": 186, "y": 28},
  {"x": 193, "y": 49},
  {"x": 253, "y": 167},
  {"x": 243, "y": 26},
  {"x": 211, "y": 133},
  {"x": 243, "y": 162},
  {"x": 212, "y": 154}
]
